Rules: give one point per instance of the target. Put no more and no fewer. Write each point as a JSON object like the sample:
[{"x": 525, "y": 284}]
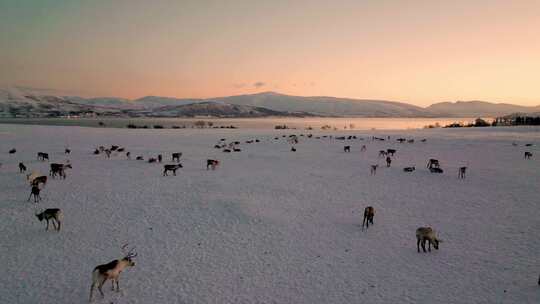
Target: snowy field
[{"x": 273, "y": 226}]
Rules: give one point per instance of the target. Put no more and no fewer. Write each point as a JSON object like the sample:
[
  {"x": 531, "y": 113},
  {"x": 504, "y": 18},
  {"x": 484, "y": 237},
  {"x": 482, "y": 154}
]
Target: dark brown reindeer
[
  {"x": 176, "y": 156},
  {"x": 35, "y": 179},
  {"x": 390, "y": 152},
  {"x": 527, "y": 155},
  {"x": 12, "y": 151},
  {"x": 461, "y": 172},
  {"x": 409, "y": 169},
  {"x": 426, "y": 234},
  {"x": 67, "y": 151},
  {"x": 347, "y": 149},
  {"x": 35, "y": 192},
  {"x": 42, "y": 156},
  {"x": 374, "y": 169},
  {"x": 212, "y": 163},
  {"x": 22, "y": 168},
  {"x": 172, "y": 168},
  {"x": 369, "y": 214},
  {"x": 54, "y": 215},
  {"x": 59, "y": 169},
  {"x": 111, "y": 271},
  {"x": 388, "y": 161}
]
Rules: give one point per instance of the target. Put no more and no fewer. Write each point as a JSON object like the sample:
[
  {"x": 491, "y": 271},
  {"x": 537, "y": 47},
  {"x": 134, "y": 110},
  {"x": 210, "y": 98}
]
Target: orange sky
[{"x": 419, "y": 52}]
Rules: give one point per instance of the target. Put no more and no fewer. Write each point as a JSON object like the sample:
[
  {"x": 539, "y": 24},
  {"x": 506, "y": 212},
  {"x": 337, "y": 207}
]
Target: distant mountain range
[{"x": 23, "y": 102}]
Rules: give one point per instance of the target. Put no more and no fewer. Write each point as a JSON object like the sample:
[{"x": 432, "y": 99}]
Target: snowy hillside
[
  {"x": 477, "y": 109},
  {"x": 270, "y": 225}
]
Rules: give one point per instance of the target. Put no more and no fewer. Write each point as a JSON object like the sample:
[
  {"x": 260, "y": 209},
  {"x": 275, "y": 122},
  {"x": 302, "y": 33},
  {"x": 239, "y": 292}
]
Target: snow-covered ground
[{"x": 270, "y": 225}]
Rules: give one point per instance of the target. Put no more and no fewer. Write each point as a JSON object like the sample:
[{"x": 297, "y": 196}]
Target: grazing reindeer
[
  {"x": 59, "y": 169},
  {"x": 22, "y": 168},
  {"x": 114, "y": 148},
  {"x": 111, "y": 271},
  {"x": 369, "y": 214},
  {"x": 388, "y": 161},
  {"x": 35, "y": 179},
  {"x": 411, "y": 141},
  {"x": 374, "y": 169},
  {"x": 461, "y": 172},
  {"x": 227, "y": 150},
  {"x": 212, "y": 163},
  {"x": 176, "y": 157},
  {"x": 390, "y": 152},
  {"x": 121, "y": 150},
  {"x": 382, "y": 153},
  {"x": 426, "y": 234},
  {"x": 12, "y": 151},
  {"x": 54, "y": 215},
  {"x": 293, "y": 149},
  {"x": 527, "y": 155},
  {"x": 139, "y": 158},
  {"x": 364, "y": 148},
  {"x": 96, "y": 152},
  {"x": 35, "y": 192},
  {"x": 409, "y": 169},
  {"x": 67, "y": 151},
  {"x": 128, "y": 155},
  {"x": 152, "y": 160},
  {"x": 108, "y": 153},
  {"x": 172, "y": 168},
  {"x": 433, "y": 163},
  {"x": 237, "y": 150},
  {"x": 42, "y": 156},
  {"x": 423, "y": 140},
  {"x": 347, "y": 149}
]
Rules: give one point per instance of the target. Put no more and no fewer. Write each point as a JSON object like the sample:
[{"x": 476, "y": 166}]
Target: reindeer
[
  {"x": 35, "y": 179},
  {"x": 461, "y": 172},
  {"x": 42, "y": 156},
  {"x": 426, "y": 234},
  {"x": 227, "y": 150},
  {"x": 293, "y": 149},
  {"x": 172, "y": 168},
  {"x": 237, "y": 150},
  {"x": 59, "y": 169},
  {"x": 212, "y": 163},
  {"x": 388, "y": 161},
  {"x": 22, "y": 168},
  {"x": 411, "y": 141},
  {"x": 363, "y": 149},
  {"x": 96, "y": 152},
  {"x": 128, "y": 155},
  {"x": 121, "y": 150},
  {"x": 390, "y": 152},
  {"x": 55, "y": 215},
  {"x": 527, "y": 155},
  {"x": 107, "y": 152},
  {"x": 160, "y": 158},
  {"x": 176, "y": 156},
  {"x": 139, "y": 158},
  {"x": 409, "y": 169},
  {"x": 67, "y": 151},
  {"x": 347, "y": 149},
  {"x": 382, "y": 153},
  {"x": 433, "y": 163},
  {"x": 152, "y": 160},
  {"x": 12, "y": 151},
  {"x": 114, "y": 148},
  {"x": 374, "y": 169},
  {"x": 35, "y": 192},
  {"x": 423, "y": 140},
  {"x": 111, "y": 271},
  {"x": 369, "y": 214}
]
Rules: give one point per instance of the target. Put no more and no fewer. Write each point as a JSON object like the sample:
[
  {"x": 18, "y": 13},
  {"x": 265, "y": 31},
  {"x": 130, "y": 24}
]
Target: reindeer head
[
  {"x": 39, "y": 215},
  {"x": 129, "y": 254}
]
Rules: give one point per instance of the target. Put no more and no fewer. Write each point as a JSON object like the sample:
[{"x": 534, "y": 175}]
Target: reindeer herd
[{"x": 111, "y": 271}]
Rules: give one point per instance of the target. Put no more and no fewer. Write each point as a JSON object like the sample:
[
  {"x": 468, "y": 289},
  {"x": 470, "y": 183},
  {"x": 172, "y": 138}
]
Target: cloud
[{"x": 259, "y": 84}]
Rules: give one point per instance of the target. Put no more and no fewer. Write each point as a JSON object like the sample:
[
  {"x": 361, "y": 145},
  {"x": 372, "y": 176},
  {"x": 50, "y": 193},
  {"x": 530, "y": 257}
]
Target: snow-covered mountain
[
  {"x": 477, "y": 108},
  {"x": 23, "y": 102}
]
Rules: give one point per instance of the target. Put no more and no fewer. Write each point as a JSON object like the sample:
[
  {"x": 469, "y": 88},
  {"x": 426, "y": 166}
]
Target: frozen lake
[{"x": 273, "y": 226}]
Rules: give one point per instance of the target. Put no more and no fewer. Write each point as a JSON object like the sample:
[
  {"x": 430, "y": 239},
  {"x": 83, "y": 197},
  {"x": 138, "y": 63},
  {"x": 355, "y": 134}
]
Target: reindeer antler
[{"x": 130, "y": 253}]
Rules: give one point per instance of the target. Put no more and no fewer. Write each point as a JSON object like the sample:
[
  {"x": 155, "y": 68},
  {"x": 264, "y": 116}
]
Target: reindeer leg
[
  {"x": 424, "y": 245},
  {"x": 112, "y": 283},
  {"x": 117, "y": 285},
  {"x": 92, "y": 291},
  {"x": 418, "y": 244},
  {"x": 101, "y": 285},
  {"x": 59, "y": 225},
  {"x": 429, "y": 245},
  {"x": 54, "y": 224},
  {"x": 47, "y": 224},
  {"x": 29, "y": 197}
]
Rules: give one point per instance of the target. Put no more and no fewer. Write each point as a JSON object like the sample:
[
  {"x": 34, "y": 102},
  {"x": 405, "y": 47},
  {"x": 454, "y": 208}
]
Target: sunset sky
[{"x": 414, "y": 51}]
